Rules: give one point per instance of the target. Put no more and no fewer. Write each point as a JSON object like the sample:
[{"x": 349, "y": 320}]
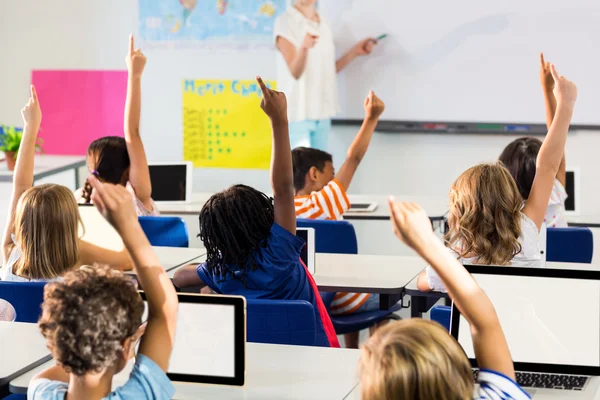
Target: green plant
[{"x": 10, "y": 139}]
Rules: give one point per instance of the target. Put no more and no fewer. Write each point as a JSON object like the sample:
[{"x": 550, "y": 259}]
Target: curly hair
[
  {"x": 87, "y": 316},
  {"x": 485, "y": 215},
  {"x": 414, "y": 359},
  {"x": 233, "y": 224},
  {"x": 520, "y": 158},
  {"x": 110, "y": 161}
]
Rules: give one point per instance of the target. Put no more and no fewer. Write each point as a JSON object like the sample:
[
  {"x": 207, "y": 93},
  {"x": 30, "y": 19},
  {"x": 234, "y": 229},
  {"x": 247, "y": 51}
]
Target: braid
[
  {"x": 234, "y": 224},
  {"x": 87, "y": 192}
]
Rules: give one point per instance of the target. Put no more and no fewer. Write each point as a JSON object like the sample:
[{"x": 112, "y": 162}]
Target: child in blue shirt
[{"x": 251, "y": 242}]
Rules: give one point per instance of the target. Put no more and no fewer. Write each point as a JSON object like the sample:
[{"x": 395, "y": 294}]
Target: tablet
[
  {"x": 171, "y": 182},
  {"x": 308, "y": 253},
  {"x": 363, "y": 207},
  {"x": 210, "y": 340}
]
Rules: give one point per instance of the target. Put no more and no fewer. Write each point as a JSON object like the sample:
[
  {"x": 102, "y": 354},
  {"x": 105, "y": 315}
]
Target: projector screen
[{"x": 467, "y": 60}]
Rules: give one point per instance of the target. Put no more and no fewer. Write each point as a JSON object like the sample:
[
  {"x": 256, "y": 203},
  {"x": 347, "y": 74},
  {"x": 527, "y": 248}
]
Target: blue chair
[
  {"x": 281, "y": 322},
  {"x": 574, "y": 245},
  {"x": 165, "y": 231},
  {"x": 441, "y": 315},
  {"x": 16, "y": 397},
  {"x": 339, "y": 237},
  {"x": 25, "y": 297}
]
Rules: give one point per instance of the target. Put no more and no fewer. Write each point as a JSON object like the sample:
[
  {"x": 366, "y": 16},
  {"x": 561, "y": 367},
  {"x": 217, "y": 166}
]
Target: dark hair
[
  {"x": 303, "y": 159},
  {"x": 111, "y": 161},
  {"x": 520, "y": 158},
  {"x": 233, "y": 224},
  {"x": 86, "y": 317}
]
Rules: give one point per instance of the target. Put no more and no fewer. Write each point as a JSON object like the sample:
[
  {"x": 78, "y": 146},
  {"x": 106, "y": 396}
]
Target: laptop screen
[
  {"x": 169, "y": 182},
  {"x": 308, "y": 251},
  {"x": 551, "y": 318}
]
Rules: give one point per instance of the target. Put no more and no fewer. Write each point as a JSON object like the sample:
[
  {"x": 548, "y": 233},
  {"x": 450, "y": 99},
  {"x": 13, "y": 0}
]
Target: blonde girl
[
  {"x": 489, "y": 222},
  {"x": 40, "y": 240}
]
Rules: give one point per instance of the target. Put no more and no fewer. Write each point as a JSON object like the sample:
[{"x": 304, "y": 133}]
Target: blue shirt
[
  {"x": 147, "y": 381},
  {"x": 280, "y": 275}
]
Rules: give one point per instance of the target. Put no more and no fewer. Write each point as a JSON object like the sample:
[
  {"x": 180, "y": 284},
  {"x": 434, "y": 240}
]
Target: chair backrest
[
  {"x": 441, "y": 315},
  {"x": 25, "y": 297},
  {"x": 281, "y": 322},
  {"x": 165, "y": 231},
  {"x": 574, "y": 245},
  {"x": 7, "y": 311},
  {"x": 336, "y": 237}
]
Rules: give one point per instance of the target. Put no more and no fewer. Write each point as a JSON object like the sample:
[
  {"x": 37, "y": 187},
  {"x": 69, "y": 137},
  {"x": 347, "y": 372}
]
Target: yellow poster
[{"x": 223, "y": 125}]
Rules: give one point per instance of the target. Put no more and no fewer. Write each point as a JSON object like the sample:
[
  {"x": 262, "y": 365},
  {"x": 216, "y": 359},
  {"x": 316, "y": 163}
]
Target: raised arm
[
  {"x": 413, "y": 227},
  {"x": 23, "y": 175},
  {"x": 551, "y": 153},
  {"x": 362, "y": 48},
  {"x": 139, "y": 174},
  {"x": 274, "y": 104},
  {"x": 295, "y": 58},
  {"x": 373, "y": 109},
  {"x": 114, "y": 202},
  {"x": 547, "y": 82}
]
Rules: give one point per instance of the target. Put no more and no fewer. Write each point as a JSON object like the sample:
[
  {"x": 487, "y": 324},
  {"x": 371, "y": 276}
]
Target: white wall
[{"x": 69, "y": 34}]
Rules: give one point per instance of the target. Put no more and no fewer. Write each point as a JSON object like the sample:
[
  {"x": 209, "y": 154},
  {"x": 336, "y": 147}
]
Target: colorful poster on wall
[
  {"x": 223, "y": 125},
  {"x": 209, "y": 23},
  {"x": 79, "y": 107}
]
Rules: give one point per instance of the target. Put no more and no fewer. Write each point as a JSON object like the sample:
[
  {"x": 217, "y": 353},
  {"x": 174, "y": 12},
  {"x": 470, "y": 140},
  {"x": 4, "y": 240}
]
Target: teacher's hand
[
  {"x": 309, "y": 41},
  {"x": 365, "y": 46}
]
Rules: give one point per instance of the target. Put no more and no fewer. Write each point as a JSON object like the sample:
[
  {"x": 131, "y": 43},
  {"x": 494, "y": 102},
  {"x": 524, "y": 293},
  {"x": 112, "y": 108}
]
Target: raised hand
[
  {"x": 374, "y": 106},
  {"x": 273, "y": 103},
  {"x": 411, "y": 225},
  {"x": 136, "y": 60},
  {"x": 115, "y": 204},
  {"x": 32, "y": 113},
  {"x": 365, "y": 46},
  {"x": 309, "y": 41},
  {"x": 546, "y": 78},
  {"x": 565, "y": 91}
]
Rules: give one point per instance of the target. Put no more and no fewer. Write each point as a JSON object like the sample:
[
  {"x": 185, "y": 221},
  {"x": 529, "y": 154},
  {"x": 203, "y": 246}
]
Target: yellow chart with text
[{"x": 223, "y": 125}]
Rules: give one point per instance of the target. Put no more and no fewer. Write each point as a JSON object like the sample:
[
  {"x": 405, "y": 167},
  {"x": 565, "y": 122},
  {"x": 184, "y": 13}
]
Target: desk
[
  {"x": 273, "y": 372},
  {"x": 421, "y": 302},
  {"x": 173, "y": 257},
  {"x": 436, "y": 206},
  {"x": 386, "y": 275},
  {"x": 22, "y": 347},
  {"x": 46, "y": 165},
  {"x": 590, "y": 221}
]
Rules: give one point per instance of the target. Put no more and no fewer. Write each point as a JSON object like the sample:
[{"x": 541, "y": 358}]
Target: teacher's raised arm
[{"x": 307, "y": 69}]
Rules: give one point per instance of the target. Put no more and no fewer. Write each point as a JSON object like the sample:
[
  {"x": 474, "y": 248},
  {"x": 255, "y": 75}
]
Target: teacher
[{"x": 306, "y": 72}]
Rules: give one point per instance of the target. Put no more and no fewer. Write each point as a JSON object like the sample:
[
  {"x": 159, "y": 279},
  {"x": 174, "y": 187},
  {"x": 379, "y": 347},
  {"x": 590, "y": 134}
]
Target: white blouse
[{"x": 555, "y": 213}]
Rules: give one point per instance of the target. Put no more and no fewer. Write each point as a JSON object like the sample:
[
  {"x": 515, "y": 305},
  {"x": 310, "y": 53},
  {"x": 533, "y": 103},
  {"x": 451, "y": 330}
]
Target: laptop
[
  {"x": 97, "y": 230},
  {"x": 551, "y": 320},
  {"x": 308, "y": 253},
  {"x": 210, "y": 340},
  {"x": 171, "y": 182}
]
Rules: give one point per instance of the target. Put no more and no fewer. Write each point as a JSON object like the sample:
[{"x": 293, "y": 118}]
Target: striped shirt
[
  {"x": 330, "y": 203},
  {"x": 496, "y": 386}
]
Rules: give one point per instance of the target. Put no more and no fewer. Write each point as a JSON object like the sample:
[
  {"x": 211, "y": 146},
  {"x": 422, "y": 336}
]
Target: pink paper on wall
[{"x": 79, "y": 107}]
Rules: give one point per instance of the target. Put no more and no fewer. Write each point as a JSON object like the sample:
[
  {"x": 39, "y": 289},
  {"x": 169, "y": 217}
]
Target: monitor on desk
[
  {"x": 171, "y": 182},
  {"x": 210, "y": 340},
  {"x": 572, "y": 187},
  {"x": 97, "y": 230}
]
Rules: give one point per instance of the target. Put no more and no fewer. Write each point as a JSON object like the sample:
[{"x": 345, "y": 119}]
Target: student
[
  {"x": 418, "y": 359},
  {"x": 41, "y": 240},
  {"x": 488, "y": 222},
  {"x": 92, "y": 320},
  {"x": 520, "y": 157},
  {"x": 250, "y": 239},
  {"x": 321, "y": 194},
  {"x": 123, "y": 161}
]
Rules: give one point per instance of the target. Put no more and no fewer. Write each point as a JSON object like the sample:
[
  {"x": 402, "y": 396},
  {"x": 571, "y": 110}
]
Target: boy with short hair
[{"x": 321, "y": 194}]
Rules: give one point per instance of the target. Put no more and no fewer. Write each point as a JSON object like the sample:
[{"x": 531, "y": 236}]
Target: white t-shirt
[
  {"x": 7, "y": 271},
  {"x": 495, "y": 386},
  {"x": 555, "y": 213},
  {"x": 529, "y": 256},
  {"x": 314, "y": 96}
]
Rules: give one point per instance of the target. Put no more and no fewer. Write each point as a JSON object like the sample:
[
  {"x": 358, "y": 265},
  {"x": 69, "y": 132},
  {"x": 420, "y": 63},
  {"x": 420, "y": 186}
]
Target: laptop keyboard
[{"x": 548, "y": 381}]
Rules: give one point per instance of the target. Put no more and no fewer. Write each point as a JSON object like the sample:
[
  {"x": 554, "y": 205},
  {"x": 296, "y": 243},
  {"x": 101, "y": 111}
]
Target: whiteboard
[{"x": 467, "y": 60}]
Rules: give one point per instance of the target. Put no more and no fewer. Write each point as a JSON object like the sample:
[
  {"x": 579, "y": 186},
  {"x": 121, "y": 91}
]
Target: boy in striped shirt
[{"x": 321, "y": 194}]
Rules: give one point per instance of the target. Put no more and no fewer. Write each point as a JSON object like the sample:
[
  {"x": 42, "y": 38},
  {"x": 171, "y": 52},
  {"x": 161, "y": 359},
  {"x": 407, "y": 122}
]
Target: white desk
[
  {"x": 22, "y": 347},
  {"x": 273, "y": 372},
  {"x": 46, "y": 165},
  {"x": 436, "y": 206},
  {"x": 590, "y": 221},
  {"x": 173, "y": 257}
]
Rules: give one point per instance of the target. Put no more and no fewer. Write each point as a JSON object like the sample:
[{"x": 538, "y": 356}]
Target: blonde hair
[
  {"x": 485, "y": 215},
  {"x": 46, "y": 230},
  {"x": 414, "y": 359}
]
